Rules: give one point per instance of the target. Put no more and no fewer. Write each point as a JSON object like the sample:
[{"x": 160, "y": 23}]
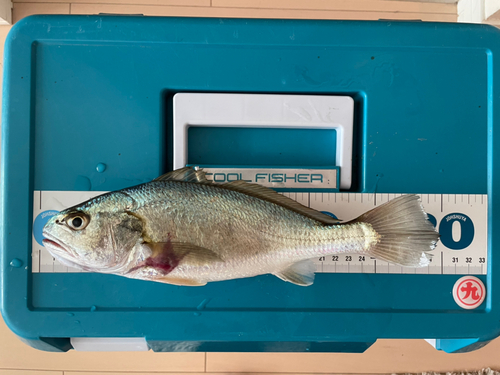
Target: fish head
[{"x": 97, "y": 235}]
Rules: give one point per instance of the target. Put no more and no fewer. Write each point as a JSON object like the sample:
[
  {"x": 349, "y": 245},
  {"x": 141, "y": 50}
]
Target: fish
[{"x": 182, "y": 229}]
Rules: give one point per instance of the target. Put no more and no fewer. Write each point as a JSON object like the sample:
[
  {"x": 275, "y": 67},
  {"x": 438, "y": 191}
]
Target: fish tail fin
[{"x": 404, "y": 233}]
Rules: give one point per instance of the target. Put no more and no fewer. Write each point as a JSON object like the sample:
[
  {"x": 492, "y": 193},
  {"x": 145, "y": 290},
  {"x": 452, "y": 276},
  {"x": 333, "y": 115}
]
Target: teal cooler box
[{"x": 341, "y": 116}]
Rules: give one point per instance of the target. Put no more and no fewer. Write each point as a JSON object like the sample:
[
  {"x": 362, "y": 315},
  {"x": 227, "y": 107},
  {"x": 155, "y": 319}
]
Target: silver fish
[{"x": 181, "y": 229}]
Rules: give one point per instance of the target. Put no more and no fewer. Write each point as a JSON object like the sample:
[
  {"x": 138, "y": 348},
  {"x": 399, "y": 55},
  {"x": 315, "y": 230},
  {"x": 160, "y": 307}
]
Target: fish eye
[{"x": 77, "y": 221}]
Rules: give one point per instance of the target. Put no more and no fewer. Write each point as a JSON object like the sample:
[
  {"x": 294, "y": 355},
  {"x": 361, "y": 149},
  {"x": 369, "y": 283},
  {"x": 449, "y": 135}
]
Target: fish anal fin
[
  {"x": 300, "y": 273},
  {"x": 272, "y": 196}
]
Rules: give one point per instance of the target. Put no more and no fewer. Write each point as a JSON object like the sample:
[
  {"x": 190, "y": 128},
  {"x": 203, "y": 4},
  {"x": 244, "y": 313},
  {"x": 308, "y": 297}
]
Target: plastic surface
[{"x": 79, "y": 91}]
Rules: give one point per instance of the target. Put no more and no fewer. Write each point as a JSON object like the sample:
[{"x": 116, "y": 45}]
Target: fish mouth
[
  {"x": 57, "y": 247},
  {"x": 53, "y": 244},
  {"x": 63, "y": 254}
]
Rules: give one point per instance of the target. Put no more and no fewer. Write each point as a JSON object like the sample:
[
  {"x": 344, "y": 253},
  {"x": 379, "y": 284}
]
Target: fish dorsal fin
[
  {"x": 186, "y": 174},
  {"x": 300, "y": 273},
  {"x": 269, "y": 195}
]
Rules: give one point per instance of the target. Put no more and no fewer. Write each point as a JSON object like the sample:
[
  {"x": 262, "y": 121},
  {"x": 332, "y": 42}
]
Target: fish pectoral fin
[
  {"x": 182, "y": 252},
  {"x": 193, "y": 255},
  {"x": 179, "y": 281},
  {"x": 186, "y": 174},
  {"x": 300, "y": 273}
]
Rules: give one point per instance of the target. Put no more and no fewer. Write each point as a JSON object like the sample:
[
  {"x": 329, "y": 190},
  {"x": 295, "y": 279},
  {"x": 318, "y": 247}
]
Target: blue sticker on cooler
[{"x": 40, "y": 222}]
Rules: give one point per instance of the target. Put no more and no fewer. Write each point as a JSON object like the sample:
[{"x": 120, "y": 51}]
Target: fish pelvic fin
[
  {"x": 404, "y": 235},
  {"x": 300, "y": 273},
  {"x": 180, "y": 281}
]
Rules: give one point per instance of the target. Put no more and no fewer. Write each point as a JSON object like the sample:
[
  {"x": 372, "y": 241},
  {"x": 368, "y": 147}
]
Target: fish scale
[
  {"x": 289, "y": 227},
  {"x": 182, "y": 229}
]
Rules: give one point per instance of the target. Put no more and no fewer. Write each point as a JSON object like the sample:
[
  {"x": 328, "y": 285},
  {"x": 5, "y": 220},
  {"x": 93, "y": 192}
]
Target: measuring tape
[{"x": 461, "y": 220}]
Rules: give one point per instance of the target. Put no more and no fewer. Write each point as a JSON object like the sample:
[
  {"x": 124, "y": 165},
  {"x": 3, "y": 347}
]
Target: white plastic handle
[
  {"x": 109, "y": 344},
  {"x": 266, "y": 111}
]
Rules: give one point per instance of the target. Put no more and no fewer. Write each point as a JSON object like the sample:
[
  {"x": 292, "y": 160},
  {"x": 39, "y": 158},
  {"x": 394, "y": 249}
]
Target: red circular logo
[{"x": 469, "y": 292}]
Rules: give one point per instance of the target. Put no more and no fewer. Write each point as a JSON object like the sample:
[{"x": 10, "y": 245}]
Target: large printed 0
[{"x": 446, "y": 227}]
